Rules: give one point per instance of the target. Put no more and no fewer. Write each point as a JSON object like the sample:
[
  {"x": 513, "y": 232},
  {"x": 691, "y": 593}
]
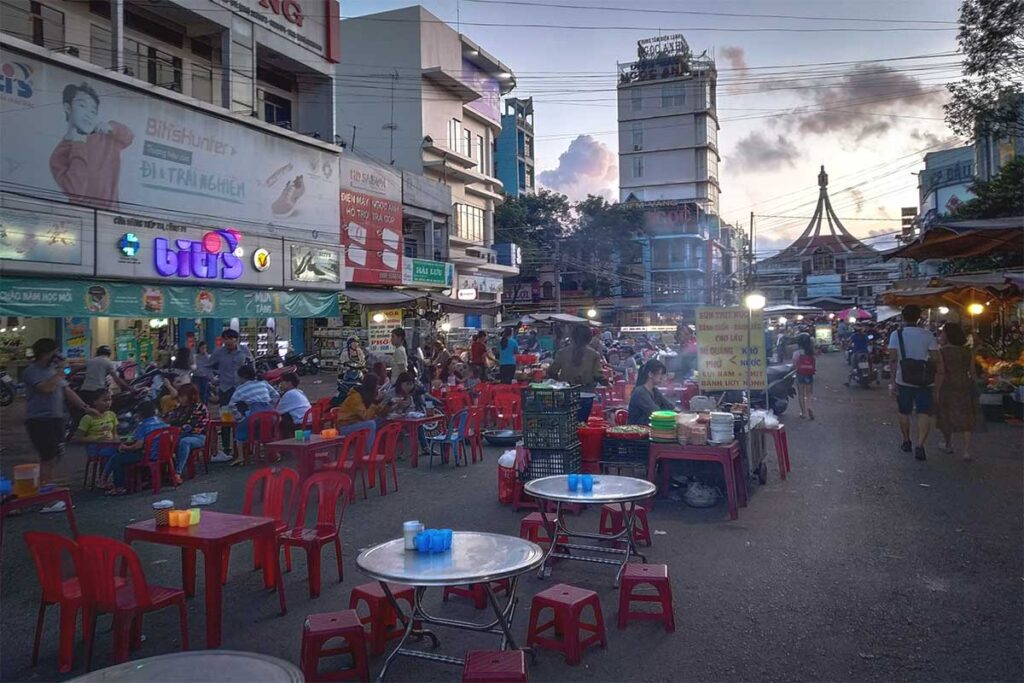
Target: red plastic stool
[
  {"x": 520, "y": 499},
  {"x": 384, "y": 623},
  {"x": 655, "y": 575},
  {"x": 567, "y": 602},
  {"x": 612, "y": 522},
  {"x": 781, "y": 444},
  {"x": 318, "y": 630},
  {"x": 533, "y": 528},
  {"x": 476, "y": 592},
  {"x": 495, "y": 666}
]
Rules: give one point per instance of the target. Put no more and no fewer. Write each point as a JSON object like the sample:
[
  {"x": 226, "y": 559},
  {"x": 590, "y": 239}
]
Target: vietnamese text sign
[
  {"x": 31, "y": 297},
  {"x": 371, "y": 222},
  {"x": 730, "y": 341},
  {"x": 110, "y": 145},
  {"x": 417, "y": 271},
  {"x": 380, "y": 332}
]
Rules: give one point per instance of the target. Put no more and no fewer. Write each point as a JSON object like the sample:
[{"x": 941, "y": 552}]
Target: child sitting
[
  {"x": 131, "y": 452},
  {"x": 101, "y": 427},
  {"x": 191, "y": 416}
]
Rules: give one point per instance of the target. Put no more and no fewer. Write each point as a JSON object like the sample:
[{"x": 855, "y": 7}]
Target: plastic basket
[
  {"x": 547, "y": 463},
  {"x": 549, "y": 430},
  {"x": 624, "y": 450},
  {"x": 545, "y": 400}
]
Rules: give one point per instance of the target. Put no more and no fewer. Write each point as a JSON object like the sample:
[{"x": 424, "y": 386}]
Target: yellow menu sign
[{"x": 730, "y": 341}]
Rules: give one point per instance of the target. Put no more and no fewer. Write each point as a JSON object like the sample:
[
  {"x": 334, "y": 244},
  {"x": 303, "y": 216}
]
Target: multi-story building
[
  {"x": 514, "y": 154},
  {"x": 992, "y": 152},
  {"x": 418, "y": 95},
  {"x": 668, "y": 164},
  {"x": 168, "y": 169},
  {"x": 944, "y": 183}
]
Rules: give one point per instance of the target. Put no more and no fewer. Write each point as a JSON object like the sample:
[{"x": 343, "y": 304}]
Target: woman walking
[
  {"x": 509, "y": 347},
  {"x": 806, "y": 366},
  {"x": 955, "y": 388}
]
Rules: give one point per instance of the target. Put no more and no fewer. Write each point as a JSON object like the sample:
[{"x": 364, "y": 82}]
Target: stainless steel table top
[
  {"x": 475, "y": 557},
  {"x": 607, "y": 489},
  {"x": 209, "y": 666}
]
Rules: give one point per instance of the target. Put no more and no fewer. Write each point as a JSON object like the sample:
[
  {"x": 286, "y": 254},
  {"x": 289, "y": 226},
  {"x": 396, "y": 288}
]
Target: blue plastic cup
[
  {"x": 446, "y": 537},
  {"x": 423, "y": 542},
  {"x": 574, "y": 481},
  {"x": 308, "y": 436},
  {"x": 436, "y": 541},
  {"x": 588, "y": 483}
]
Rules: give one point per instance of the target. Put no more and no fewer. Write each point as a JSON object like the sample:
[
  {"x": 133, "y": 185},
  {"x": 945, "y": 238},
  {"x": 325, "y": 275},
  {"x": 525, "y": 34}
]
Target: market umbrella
[{"x": 858, "y": 313}]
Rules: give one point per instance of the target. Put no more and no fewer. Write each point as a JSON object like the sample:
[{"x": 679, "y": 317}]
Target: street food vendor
[{"x": 646, "y": 398}]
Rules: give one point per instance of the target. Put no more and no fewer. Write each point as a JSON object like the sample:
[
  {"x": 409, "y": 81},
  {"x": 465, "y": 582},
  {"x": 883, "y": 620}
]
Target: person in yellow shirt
[
  {"x": 97, "y": 428},
  {"x": 362, "y": 408}
]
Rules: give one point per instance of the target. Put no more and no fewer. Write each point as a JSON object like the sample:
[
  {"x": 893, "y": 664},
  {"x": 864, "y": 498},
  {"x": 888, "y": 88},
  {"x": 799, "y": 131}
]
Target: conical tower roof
[{"x": 835, "y": 237}]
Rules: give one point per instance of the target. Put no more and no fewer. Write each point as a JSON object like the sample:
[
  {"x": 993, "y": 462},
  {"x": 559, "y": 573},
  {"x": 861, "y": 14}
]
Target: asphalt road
[{"x": 863, "y": 565}]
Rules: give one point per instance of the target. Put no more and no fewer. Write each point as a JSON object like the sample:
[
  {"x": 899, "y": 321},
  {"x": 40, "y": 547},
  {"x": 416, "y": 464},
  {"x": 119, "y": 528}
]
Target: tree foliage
[
  {"x": 534, "y": 222},
  {"x": 987, "y": 101},
  {"x": 1000, "y": 197}
]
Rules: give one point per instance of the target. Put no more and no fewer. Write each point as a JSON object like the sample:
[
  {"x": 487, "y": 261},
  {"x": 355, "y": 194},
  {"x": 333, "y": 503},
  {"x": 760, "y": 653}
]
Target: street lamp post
[{"x": 753, "y": 302}]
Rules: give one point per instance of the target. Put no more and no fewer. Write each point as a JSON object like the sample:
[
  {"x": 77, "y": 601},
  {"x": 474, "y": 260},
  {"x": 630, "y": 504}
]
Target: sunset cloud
[{"x": 586, "y": 167}]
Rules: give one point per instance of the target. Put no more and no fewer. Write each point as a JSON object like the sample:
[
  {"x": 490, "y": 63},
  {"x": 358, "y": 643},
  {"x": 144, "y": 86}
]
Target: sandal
[
  {"x": 116, "y": 492},
  {"x": 236, "y": 462}
]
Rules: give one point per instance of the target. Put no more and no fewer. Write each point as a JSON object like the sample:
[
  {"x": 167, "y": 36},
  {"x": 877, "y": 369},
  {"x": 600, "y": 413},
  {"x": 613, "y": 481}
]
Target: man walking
[
  {"x": 912, "y": 358},
  {"x": 224, "y": 362}
]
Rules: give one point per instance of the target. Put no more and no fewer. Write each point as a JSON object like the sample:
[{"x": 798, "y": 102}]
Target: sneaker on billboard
[
  {"x": 59, "y": 506},
  {"x": 221, "y": 457}
]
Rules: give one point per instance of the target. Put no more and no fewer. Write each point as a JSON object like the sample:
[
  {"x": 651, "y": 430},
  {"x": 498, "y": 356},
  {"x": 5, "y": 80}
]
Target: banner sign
[
  {"x": 371, "y": 222},
  {"x": 380, "y": 332},
  {"x": 70, "y": 298},
  {"x": 485, "y": 285},
  {"x": 77, "y": 338},
  {"x": 314, "y": 266},
  {"x": 823, "y": 334},
  {"x": 100, "y": 144},
  {"x": 417, "y": 271},
  {"x": 730, "y": 349},
  {"x": 37, "y": 237}
]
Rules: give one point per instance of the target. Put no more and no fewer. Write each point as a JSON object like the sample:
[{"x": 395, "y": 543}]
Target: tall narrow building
[{"x": 514, "y": 155}]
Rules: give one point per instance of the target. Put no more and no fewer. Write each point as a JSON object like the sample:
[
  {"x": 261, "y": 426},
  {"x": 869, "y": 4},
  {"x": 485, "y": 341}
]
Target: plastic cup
[
  {"x": 436, "y": 541},
  {"x": 588, "y": 483},
  {"x": 446, "y": 537},
  {"x": 299, "y": 435},
  {"x": 423, "y": 542},
  {"x": 308, "y": 435},
  {"x": 574, "y": 481},
  {"x": 193, "y": 514}
]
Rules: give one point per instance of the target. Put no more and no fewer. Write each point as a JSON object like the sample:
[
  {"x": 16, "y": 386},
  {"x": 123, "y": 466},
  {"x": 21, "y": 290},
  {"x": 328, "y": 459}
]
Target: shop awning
[
  {"x": 450, "y": 305},
  {"x": 378, "y": 298},
  {"x": 962, "y": 239},
  {"x": 953, "y": 289}
]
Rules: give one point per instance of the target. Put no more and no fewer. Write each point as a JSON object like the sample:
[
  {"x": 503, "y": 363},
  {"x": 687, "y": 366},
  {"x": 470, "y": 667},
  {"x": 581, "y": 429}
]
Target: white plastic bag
[{"x": 507, "y": 459}]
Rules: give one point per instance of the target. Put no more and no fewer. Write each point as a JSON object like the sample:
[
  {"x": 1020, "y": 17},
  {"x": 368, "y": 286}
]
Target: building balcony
[
  {"x": 448, "y": 156},
  {"x": 481, "y": 191},
  {"x": 453, "y": 168},
  {"x": 451, "y": 83}
]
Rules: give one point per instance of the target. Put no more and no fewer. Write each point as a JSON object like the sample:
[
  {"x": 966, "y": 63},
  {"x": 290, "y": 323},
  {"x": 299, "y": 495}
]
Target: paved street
[{"x": 864, "y": 565}]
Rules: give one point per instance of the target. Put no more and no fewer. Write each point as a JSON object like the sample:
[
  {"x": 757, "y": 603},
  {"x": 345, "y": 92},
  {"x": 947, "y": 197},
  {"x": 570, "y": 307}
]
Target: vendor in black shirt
[{"x": 646, "y": 398}]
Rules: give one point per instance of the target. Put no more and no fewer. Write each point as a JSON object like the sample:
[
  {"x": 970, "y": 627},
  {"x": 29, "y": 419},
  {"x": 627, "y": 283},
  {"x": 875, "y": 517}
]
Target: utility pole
[
  {"x": 750, "y": 257},
  {"x": 558, "y": 276}
]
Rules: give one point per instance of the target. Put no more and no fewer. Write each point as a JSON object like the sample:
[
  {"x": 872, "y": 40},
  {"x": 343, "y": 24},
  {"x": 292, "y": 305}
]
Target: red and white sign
[{"x": 371, "y": 222}]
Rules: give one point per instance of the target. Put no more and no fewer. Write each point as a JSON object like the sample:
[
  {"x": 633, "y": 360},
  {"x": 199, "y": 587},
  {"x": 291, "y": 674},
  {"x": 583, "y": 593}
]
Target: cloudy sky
[{"x": 866, "y": 102}]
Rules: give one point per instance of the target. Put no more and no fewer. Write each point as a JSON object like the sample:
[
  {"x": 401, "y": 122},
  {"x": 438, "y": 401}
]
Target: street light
[
  {"x": 943, "y": 310},
  {"x": 976, "y": 309},
  {"x": 852, "y": 319},
  {"x": 783, "y": 320},
  {"x": 591, "y": 313},
  {"x": 754, "y": 302},
  {"x": 831, "y": 316},
  {"x": 378, "y": 318},
  {"x": 446, "y": 327},
  {"x": 799, "y": 318}
]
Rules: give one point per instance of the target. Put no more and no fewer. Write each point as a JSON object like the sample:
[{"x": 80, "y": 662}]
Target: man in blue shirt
[{"x": 132, "y": 452}]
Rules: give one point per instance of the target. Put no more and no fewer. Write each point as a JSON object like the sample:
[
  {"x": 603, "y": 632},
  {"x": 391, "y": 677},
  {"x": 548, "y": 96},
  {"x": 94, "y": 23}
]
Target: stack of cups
[{"x": 722, "y": 427}]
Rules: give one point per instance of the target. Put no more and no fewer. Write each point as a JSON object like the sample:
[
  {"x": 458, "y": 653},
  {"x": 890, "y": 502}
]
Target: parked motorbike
[
  {"x": 307, "y": 363},
  {"x": 861, "y": 372},
  {"x": 781, "y": 387},
  {"x": 349, "y": 378},
  {"x": 7, "y": 388},
  {"x": 274, "y": 376}
]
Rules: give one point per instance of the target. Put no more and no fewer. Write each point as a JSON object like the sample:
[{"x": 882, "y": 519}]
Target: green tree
[
  {"x": 604, "y": 242},
  {"x": 534, "y": 222},
  {"x": 987, "y": 101},
  {"x": 1000, "y": 197}
]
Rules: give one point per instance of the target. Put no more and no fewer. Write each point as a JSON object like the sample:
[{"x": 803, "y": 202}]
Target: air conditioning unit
[{"x": 638, "y": 148}]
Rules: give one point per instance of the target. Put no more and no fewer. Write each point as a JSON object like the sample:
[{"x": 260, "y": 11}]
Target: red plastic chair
[
  {"x": 49, "y": 552},
  {"x": 277, "y": 487},
  {"x": 332, "y": 489},
  {"x": 126, "y": 599},
  {"x": 264, "y": 428},
  {"x": 456, "y": 400},
  {"x": 326, "y": 416},
  {"x": 166, "y": 446},
  {"x": 351, "y": 457},
  {"x": 314, "y": 418},
  {"x": 509, "y": 412},
  {"x": 382, "y": 456},
  {"x": 475, "y": 433}
]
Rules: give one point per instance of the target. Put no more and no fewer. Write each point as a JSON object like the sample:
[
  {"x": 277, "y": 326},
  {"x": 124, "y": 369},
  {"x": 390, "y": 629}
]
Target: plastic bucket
[
  {"x": 590, "y": 443},
  {"x": 26, "y": 480},
  {"x": 507, "y": 478}
]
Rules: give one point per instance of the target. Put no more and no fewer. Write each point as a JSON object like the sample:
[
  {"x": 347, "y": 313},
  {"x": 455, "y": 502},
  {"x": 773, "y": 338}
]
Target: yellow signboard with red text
[{"x": 730, "y": 349}]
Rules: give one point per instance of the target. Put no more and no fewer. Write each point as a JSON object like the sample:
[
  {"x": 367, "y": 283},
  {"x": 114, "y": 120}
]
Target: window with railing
[
  {"x": 638, "y": 135},
  {"x": 100, "y": 46},
  {"x": 152, "y": 65},
  {"x": 202, "y": 83},
  {"x": 823, "y": 260},
  {"x": 33, "y": 22},
  {"x": 469, "y": 222},
  {"x": 276, "y": 109}
]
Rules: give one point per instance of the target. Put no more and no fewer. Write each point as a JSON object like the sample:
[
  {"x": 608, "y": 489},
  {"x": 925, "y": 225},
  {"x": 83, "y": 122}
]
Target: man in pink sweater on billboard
[{"x": 87, "y": 163}]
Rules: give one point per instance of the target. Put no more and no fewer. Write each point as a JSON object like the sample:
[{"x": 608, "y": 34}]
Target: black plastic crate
[
  {"x": 547, "y": 463},
  {"x": 549, "y": 400},
  {"x": 550, "y": 430},
  {"x": 625, "y": 450}
]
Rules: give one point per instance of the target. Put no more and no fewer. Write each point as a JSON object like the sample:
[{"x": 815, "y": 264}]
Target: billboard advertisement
[
  {"x": 825, "y": 285},
  {"x": 371, "y": 222},
  {"x": 424, "y": 272},
  {"x": 489, "y": 103},
  {"x": 314, "y": 266},
  {"x": 100, "y": 144},
  {"x": 311, "y": 24},
  {"x": 38, "y": 237}
]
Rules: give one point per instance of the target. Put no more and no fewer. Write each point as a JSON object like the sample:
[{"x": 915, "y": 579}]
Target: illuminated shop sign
[{"x": 216, "y": 255}]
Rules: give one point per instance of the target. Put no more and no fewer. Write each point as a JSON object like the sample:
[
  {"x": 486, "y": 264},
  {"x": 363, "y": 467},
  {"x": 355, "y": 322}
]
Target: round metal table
[
  {"x": 209, "y": 666},
  {"x": 624, "y": 491},
  {"x": 474, "y": 558}
]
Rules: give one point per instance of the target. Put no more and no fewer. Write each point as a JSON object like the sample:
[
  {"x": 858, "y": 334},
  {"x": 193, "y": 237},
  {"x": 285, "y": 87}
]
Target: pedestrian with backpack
[
  {"x": 912, "y": 360},
  {"x": 805, "y": 366}
]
